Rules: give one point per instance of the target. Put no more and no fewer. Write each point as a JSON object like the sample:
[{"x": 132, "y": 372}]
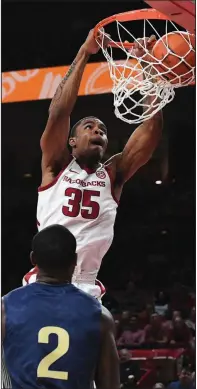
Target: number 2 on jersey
[
  {"x": 81, "y": 200},
  {"x": 61, "y": 349}
]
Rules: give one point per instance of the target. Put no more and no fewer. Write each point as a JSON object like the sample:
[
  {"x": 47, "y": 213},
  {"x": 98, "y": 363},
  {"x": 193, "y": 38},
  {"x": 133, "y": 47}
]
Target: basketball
[{"x": 171, "y": 49}]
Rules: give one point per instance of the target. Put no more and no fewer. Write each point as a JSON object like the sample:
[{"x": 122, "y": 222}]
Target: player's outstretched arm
[
  {"x": 139, "y": 147},
  {"x": 107, "y": 374},
  {"x": 54, "y": 138}
]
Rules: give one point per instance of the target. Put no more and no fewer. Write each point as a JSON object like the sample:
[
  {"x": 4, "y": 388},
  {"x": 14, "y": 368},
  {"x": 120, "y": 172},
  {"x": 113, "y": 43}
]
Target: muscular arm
[
  {"x": 107, "y": 375},
  {"x": 139, "y": 147},
  {"x": 54, "y": 138}
]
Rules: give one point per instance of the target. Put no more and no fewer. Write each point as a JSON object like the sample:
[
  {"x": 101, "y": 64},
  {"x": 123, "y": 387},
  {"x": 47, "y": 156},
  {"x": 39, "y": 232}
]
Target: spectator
[
  {"x": 168, "y": 324},
  {"x": 133, "y": 298},
  {"x": 179, "y": 297},
  {"x": 176, "y": 314},
  {"x": 124, "y": 321},
  {"x": 145, "y": 315},
  {"x": 191, "y": 322},
  {"x": 184, "y": 382},
  {"x": 132, "y": 335},
  {"x": 125, "y": 317},
  {"x": 159, "y": 385},
  {"x": 129, "y": 370},
  {"x": 155, "y": 332},
  {"x": 124, "y": 355},
  {"x": 180, "y": 334},
  {"x": 117, "y": 328},
  {"x": 161, "y": 304}
]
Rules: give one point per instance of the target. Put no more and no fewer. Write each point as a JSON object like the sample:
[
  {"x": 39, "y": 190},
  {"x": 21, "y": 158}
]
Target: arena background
[{"x": 155, "y": 226}]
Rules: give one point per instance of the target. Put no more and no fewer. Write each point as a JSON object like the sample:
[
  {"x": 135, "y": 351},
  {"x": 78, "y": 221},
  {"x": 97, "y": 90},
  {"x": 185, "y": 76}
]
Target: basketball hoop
[{"x": 136, "y": 77}]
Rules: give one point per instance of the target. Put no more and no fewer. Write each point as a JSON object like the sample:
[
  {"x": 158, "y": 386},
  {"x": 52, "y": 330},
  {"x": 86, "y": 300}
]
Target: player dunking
[
  {"x": 55, "y": 335},
  {"x": 77, "y": 190}
]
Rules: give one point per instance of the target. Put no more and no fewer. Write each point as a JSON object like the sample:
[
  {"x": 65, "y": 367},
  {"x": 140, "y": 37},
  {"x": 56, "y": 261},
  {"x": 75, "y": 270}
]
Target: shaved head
[{"x": 74, "y": 128}]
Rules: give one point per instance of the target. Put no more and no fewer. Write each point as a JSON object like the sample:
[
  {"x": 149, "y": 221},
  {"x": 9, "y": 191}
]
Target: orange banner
[{"x": 38, "y": 84}]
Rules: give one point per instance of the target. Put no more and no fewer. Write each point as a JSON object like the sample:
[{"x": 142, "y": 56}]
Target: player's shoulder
[
  {"x": 17, "y": 292},
  {"x": 13, "y": 299},
  {"x": 14, "y": 292}
]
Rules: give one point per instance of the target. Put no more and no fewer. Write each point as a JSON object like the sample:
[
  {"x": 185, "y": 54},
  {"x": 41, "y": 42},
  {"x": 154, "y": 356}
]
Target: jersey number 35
[{"x": 81, "y": 202}]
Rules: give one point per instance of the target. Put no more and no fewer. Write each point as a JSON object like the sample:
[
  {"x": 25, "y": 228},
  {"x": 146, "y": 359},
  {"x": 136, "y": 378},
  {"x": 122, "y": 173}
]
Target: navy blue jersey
[{"x": 52, "y": 337}]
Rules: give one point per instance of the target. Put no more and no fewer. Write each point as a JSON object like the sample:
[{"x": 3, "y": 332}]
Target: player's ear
[
  {"x": 72, "y": 142},
  {"x": 32, "y": 258}
]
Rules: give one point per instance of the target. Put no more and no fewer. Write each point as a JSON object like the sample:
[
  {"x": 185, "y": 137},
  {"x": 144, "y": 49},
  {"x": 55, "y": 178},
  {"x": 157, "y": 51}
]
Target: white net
[{"x": 135, "y": 77}]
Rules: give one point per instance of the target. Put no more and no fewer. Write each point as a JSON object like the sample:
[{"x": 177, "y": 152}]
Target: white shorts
[{"x": 96, "y": 290}]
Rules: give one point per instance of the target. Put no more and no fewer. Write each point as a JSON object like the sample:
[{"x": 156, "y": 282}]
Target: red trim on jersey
[
  {"x": 31, "y": 272},
  {"x": 35, "y": 271},
  {"x": 53, "y": 182},
  {"x": 37, "y": 222},
  {"x": 112, "y": 187},
  {"x": 101, "y": 286}
]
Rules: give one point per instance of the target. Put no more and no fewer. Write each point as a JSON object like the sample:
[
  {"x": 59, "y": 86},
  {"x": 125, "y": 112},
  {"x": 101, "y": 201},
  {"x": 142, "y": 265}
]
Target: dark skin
[
  {"x": 124, "y": 165},
  {"x": 90, "y": 142},
  {"x": 107, "y": 369},
  {"x": 107, "y": 372}
]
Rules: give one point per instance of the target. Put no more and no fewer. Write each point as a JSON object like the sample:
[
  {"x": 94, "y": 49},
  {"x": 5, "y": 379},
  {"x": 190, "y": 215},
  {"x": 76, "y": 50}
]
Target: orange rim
[
  {"x": 141, "y": 14},
  {"x": 127, "y": 17}
]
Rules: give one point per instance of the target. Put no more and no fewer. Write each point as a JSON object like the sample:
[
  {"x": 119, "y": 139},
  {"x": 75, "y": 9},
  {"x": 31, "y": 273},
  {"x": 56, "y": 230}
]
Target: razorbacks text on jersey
[
  {"x": 52, "y": 337},
  {"x": 82, "y": 200}
]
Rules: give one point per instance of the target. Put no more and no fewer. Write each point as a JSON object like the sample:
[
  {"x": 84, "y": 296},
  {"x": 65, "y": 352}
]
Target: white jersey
[{"x": 82, "y": 200}]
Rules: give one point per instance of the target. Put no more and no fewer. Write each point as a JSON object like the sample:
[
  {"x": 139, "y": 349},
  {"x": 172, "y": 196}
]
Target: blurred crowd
[{"x": 155, "y": 320}]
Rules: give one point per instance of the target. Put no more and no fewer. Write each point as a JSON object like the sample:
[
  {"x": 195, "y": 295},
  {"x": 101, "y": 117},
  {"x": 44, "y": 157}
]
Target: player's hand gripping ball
[{"x": 142, "y": 48}]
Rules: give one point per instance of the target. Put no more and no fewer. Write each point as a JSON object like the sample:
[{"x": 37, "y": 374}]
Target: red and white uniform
[{"x": 82, "y": 200}]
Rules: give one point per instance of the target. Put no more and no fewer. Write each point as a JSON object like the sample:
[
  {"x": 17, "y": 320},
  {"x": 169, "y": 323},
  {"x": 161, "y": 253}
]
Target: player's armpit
[
  {"x": 2, "y": 320},
  {"x": 139, "y": 147},
  {"x": 107, "y": 374}
]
